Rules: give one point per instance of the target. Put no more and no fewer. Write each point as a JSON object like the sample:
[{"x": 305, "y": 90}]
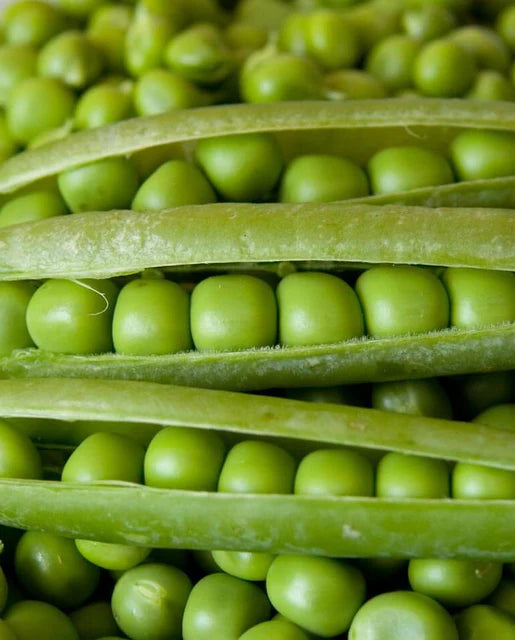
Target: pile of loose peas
[{"x": 73, "y": 65}]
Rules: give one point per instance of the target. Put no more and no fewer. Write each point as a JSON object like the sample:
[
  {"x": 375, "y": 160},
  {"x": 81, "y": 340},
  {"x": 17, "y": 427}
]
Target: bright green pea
[
  {"x": 50, "y": 568},
  {"x": 477, "y": 482},
  {"x": 94, "y": 621},
  {"x": 31, "y": 619},
  {"x": 103, "y": 104},
  {"x": 337, "y": 472},
  {"x": 242, "y": 168},
  {"x": 355, "y": 84},
  {"x": 8, "y": 146},
  {"x": 321, "y": 595},
  {"x": 391, "y": 61},
  {"x": 500, "y": 416},
  {"x": 6, "y": 633},
  {"x": 115, "y": 557},
  {"x": 485, "y": 46},
  {"x": 65, "y": 316},
  {"x": 251, "y": 566},
  {"x": 275, "y": 630},
  {"x": 491, "y": 85},
  {"x": 151, "y": 317},
  {"x": 478, "y": 155},
  {"x": 114, "y": 182},
  {"x": 14, "y": 299},
  {"x": 503, "y": 598},
  {"x": 317, "y": 308},
  {"x": 292, "y": 35},
  {"x": 480, "y": 297},
  {"x": 481, "y": 622},
  {"x": 160, "y": 90},
  {"x": 49, "y": 98},
  {"x": 107, "y": 28},
  {"x": 232, "y": 312},
  {"x": 443, "y": 68},
  {"x": 222, "y": 607},
  {"x": 32, "y": 23},
  {"x": 322, "y": 178},
  {"x": 19, "y": 458},
  {"x": 111, "y": 15},
  {"x": 36, "y": 205},
  {"x": 3, "y": 591},
  {"x": 402, "y": 614},
  {"x": 398, "y": 300},
  {"x": 183, "y": 458},
  {"x": 404, "y": 168},
  {"x": 407, "y": 476},
  {"x": 331, "y": 40},
  {"x": 428, "y": 22},
  {"x": 17, "y": 63},
  {"x": 505, "y": 26},
  {"x": 415, "y": 397}
]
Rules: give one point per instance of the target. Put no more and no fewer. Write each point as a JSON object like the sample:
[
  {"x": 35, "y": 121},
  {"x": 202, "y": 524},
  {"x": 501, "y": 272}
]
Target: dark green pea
[
  {"x": 242, "y": 168},
  {"x": 391, "y": 61},
  {"x": 485, "y": 45},
  {"x": 151, "y": 317},
  {"x": 500, "y": 416},
  {"x": 481, "y": 621},
  {"x": 477, "y": 482},
  {"x": 14, "y": 300},
  {"x": 103, "y": 104},
  {"x": 49, "y": 98},
  {"x": 337, "y": 395},
  {"x": 222, "y": 607},
  {"x": 503, "y": 598},
  {"x": 402, "y": 614},
  {"x": 8, "y": 146},
  {"x": 374, "y": 23},
  {"x": 36, "y": 205},
  {"x": 322, "y": 178},
  {"x": 65, "y": 316},
  {"x": 474, "y": 393},
  {"x": 331, "y": 40},
  {"x": 50, "y": 568},
  {"x": 31, "y": 22},
  {"x": 114, "y": 557},
  {"x": 107, "y": 28},
  {"x": 31, "y": 619},
  {"x": 244, "y": 36},
  {"x": 415, "y": 397},
  {"x": 505, "y": 26},
  {"x": 355, "y": 84},
  {"x": 406, "y": 476},
  {"x": 6, "y": 633},
  {"x": 275, "y": 630},
  {"x": 491, "y": 85},
  {"x": 480, "y": 155},
  {"x": 19, "y": 458},
  {"x": 428, "y": 22},
  {"x": 160, "y": 90},
  {"x": 94, "y": 621},
  {"x": 443, "y": 68},
  {"x": 251, "y": 566},
  {"x": 115, "y": 182},
  {"x": 292, "y": 35},
  {"x": 145, "y": 41},
  {"x": 17, "y": 63}
]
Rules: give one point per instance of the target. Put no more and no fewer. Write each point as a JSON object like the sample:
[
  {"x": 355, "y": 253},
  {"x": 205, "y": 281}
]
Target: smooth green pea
[
  {"x": 321, "y": 595},
  {"x": 292, "y": 35},
  {"x": 336, "y": 472},
  {"x": 505, "y": 26},
  {"x": 183, "y": 458},
  {"x": 103, "y": 104},
  {"x": 244, "y": 36},
  {"x": 322, "y": 178},
  {"x": 145, "y": 41},
  {"x": 50, "y": 568},
  {"x": 480, "y": 297},
  {"x": 280, "y": 77},
  {"x": 406, "y": 476},
  {"x": 415, "y": 397},
  {"x": 6, "y": 633},
  {"x": 454, "y": 582},
  {"x": 32, "y": 22},
  {"x": 391, "y": 61},
  {"x": 478, "y": 155},
  {"x": 428, "y": 22},
  {"x": 275, "y": 630},
  {"x": 251, "y": 566},
  {"x": 500, "y": 416},
  {"x": 65, "y": 316},
  {"x": 107, "y": 28},
  {"x": 503, "y": 598},
  {"x": 317, "y": 308},
  {"x": 80, "y": 8},
  {"x": 31, "y": 619},
  {"x": 355, "y": 84},
  {"x": 49, "y": 98},
  {"x": 491, "y": 85},
  {"x": 114, "y": 181},
  {"x": 443, "y": 68},
  {"x": 14, "y": 300},
  {"x": 7, "y": 144},
  {"x": 3, "y": 590},
  {"x": 374, "y": 22},
  {"x": 402, "y": 614},
  {"x": 94, "y": 621},
  {"x": 115, "y": 557},
  {"x": 477, "y": 482},
  {"x": 398, "y": 300},
  {"x": 331, "y": 40},
  {"x": 160, "y": 90},
  {"x": 151, "y": 317},
  {"x": 485, "y": 46},
  {"x": 36, "y": 205},
  {"x": 222, "y": 607},
  {"x": 242, "y": 168},
  {"x": 481, "y": 622},
  {"x": 404, "y": 168},
  {"x": 17, "y": 63},
  {"x": 19, "y": 458}
]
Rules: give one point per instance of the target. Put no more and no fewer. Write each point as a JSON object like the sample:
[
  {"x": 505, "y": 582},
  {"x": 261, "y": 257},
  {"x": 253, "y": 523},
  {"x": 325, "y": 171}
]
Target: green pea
[
  {"x": 107, "y": 28},
  {"x": 245, "y": 565},
  {"x": 407, "y": 476},
  {"x": 242, "y": 168},
  {"x": 474, "y": 393},
  {"x": 103, "y": 104},
  {"x": 292, "y": 35},
  {"x": 7, "y": 145},
  {"x": 280, "y": 77},
  {"x": 17, "y": 63},
  {"x": 478, "y": 155},
  {"x": 3, "y": 591},
  {"x": 505, "y": 26},
  {"x": 183, "y": 458},
  {"x": 115, "y": 183},
  {"x": 355, "y": 84},
  {"x": 14, "y": 299},
  {"x": 80, "y": 8},
  {"x": 337, "y": 472},
  {"x": 391, "y": 61},
  {"x": 402, "y": 614},
  {"x": 480, "y": 297},
  {"x": 398, "y": 300},
  {"x": 36, "y": 205},
  {"x": 485, "y": 45},
  {"x": 31, "y": 619},
  {"x": 477, "y": 482},
  {"x": 115, "y": 557},
  {"x": 481, "y": 622},
  {"x": 415, "y": 397},
  {"x": 428, "y": 22},
  {"x": 160, "y": 90},
  {"x": 321, "y": 595},
  {"x": 443, "y": 68},
  {"x": 274, "y": 630},
  {"x": 32, "y": 22},
  {"x": 331, "y": 40},
  {"x": 500, "y": 416},
  {"x": 19, "y": 458},
  {"x": 49, "y": 98},
  {"x": 322, "y": 178},
  {"x": 6, "y": 633},
  {"x": 222, "y": 607},
  {"x": 374, "y": 22},
  {"x": 248, "y": 37},
  {"x": 151, "y": 317},
  {"x": 491, "y": 85},
  {"x": 503, "y": 598},
  {"x": 404, "y": 168},
  {"x": 94, "y": 621},
  {"x": 337, "y": 395}
]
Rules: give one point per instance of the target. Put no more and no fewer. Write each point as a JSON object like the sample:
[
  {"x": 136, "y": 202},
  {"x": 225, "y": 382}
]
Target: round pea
[
  {"x": 17, "y": 63},
  {"x": 402, "y": 614},
  {"x": 477, "y": 482},
  {"x": 478, "y": 155},
  {"x": 491, "y": 85},
  {"x": 428, "y": 22},
  {"x": 251, "y": 566},
  {"x": 408, "y": 476},
  {"x": 160, "y": 90},
  {"x": 6, "y": 633},
  {"x": 399, "y": 300},
  {"x": 443, "y": 68},
  {"x": 245, "y": 36},
  {"x": 80, "y": 8},
  {"x": 103, "y": 104},
  {"x": 115, "y": 557},
  {"x": 391, "y": 61},
  {"x": 485, "y": 46},
  {"x": 94, "y": 621},
  {"x": 331, "y": 40},
  {"x": 14, "y": 300},
  {"x": 31, "y": 619},
  {"x": 483, "y": 621},
  {"x": 222, "y": 607},
  {"x": 505, "y": 26},
  {"x": 231, "y": 312},
  {"x": 36, "y": 205},
  {"x": 184, "y": 458},
  {"x": 403, "y": 168},
  {"x": 19, "y": 458},
  {"x": 503, "y": 598},
  {"x": 274, "y": 630},
  {"x": 500, "y": 416},
  {"x": 319, "y": 594},
  {"x": 242, "y": 167},
  {"x": 355, "y": 84},
  {"x": 145, "y": 41},
  {"x": 476, "y": 392},
  {"x": 415, "y": 397},
  {"x": 3, "y": 590},
  {"x": 292, "y": 34},
  {"x": 480, "y": 297},
  {"x": 32, "y": 22},
  {"x": 322, "y": 178},
  {"x": 107, "y": 28},
  {"x": 65, "y": 316}
]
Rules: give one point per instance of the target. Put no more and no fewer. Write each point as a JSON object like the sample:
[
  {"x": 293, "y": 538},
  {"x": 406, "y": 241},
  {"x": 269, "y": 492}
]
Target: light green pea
[
  {"x": 246, "y": 565},
  {"x": 103, "y": 104},
  {"x": 485, "y": 45},
  {"x": 14, "y": 300},
  {"x": 478, "y": 155},
  {"x": 355, "y": 84},
  {"x": 491, "y": 85},
  {"x": 500, "y": 416},
  {"x": 505, "y": 26},
  {"x": 244, "y": 36},
  {"x": 407, "y": 476},
  {"x": 32, "y": 23},
  {"x": 391, "y": 61},
  {"x": 428, "y": 22},
  {"x": 160, "y": 90},
  {"x": 31, "y": 619},
  {"x": 94, "y": 621},
  {"x": 443, "y": 68},
  {"x": 107, "y": 28},
  {"x": 477, "y": 482},
  {"x": 114, "y": 557},
  {"x": 36, "y": 205},
  {"x": 331, "y": 41},
  {"x": 292, "y": 35},
  {"x": 481, "y": 621},
  {"x": 415, "y": 397},
  {"x": 19, "y": 458},
  {"x": 17, "y": 63},
  {"x": 275, "y": 630}
]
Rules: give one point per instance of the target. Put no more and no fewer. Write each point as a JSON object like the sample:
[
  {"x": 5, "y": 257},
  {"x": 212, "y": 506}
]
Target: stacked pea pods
[{"x": 257, "y": 320}]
